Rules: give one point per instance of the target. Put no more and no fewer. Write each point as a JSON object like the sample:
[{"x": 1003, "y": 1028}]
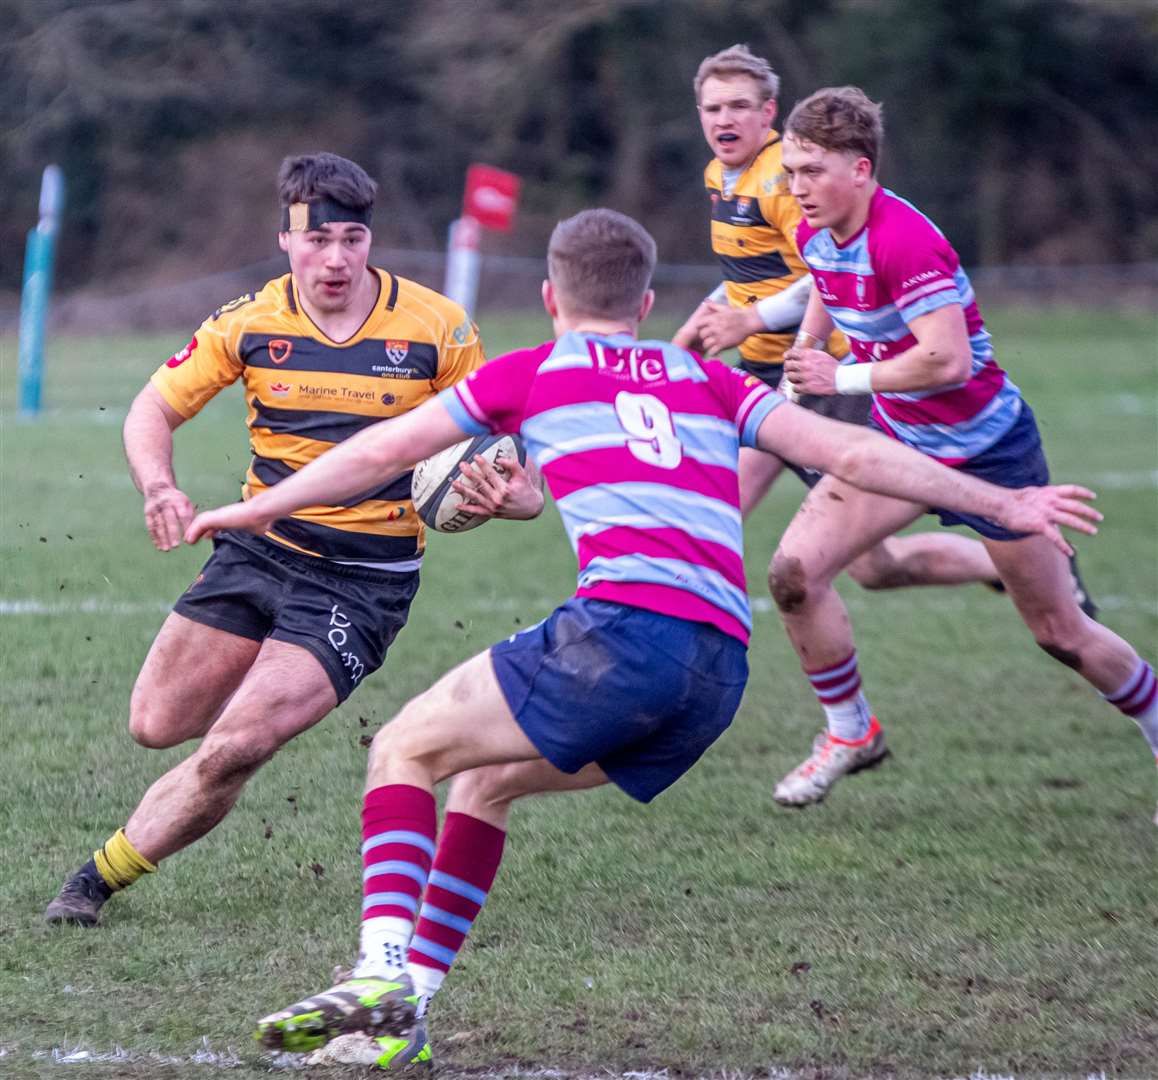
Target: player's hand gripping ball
[{"x": 436, "y": 502}]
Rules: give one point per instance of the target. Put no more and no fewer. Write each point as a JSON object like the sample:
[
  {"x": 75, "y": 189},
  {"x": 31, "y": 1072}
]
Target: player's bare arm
[
  {"x": 509, "y": 491},
  {"x": 148, "y": 441},
  {"x": 873, "y": 462},
  {"x": 941, "y": 358},
  {"x": 372, "y": 457}
]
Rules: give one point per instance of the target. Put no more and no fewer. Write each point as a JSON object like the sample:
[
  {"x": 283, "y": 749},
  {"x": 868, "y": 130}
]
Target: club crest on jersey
[
  {"x": 822, "y": 287},
  {"x": 280, "y": 350},
  {"x": 860, "y": 291},
  {"x": 177, "y": 359},
  {"x": 396, "y": 351},
  {"x": 280, "y": 389}
]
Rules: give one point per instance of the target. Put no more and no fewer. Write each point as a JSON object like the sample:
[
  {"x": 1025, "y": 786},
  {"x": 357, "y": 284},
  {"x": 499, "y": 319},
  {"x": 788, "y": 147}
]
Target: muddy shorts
[
  {"x": 642, "y": 694},
  {"x": 851, "y": 408},
  {"x": 346, "y": 616}
]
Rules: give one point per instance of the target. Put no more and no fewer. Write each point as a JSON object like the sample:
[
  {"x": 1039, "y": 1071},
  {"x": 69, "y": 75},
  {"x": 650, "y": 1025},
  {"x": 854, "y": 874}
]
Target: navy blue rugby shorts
[
  {"x": 1016, "y": 460},
  {"x": 642, "y": 694},
  {"x": 346, "y": 616}
]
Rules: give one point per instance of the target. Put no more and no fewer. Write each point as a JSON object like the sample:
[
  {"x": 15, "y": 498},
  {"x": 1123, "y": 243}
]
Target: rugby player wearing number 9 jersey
[{"x": 632, "y": 679}]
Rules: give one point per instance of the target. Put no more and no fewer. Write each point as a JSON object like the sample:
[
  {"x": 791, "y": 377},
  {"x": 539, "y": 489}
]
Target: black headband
[{"x": 304, "y": 216}]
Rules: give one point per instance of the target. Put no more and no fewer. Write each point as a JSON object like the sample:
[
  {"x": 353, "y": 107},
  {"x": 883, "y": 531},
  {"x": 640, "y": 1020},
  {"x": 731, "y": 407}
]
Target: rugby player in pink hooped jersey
[
  {"x": 886, "y": 276},
  {"x": 634, "y": 677}
]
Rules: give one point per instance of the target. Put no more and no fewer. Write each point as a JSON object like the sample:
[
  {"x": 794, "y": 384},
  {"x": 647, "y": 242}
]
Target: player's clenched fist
[
  {"x": 810, "y": 371},
  {"x": 167, "y": 512}
]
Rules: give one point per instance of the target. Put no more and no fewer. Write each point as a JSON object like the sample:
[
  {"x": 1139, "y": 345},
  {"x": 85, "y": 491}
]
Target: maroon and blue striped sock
[
  {"x": 465, "y": 864},
  {"x": 837, "y": 687},
  {"x": 399, "y": 824},
  {"x": 1137, "y": 697}
]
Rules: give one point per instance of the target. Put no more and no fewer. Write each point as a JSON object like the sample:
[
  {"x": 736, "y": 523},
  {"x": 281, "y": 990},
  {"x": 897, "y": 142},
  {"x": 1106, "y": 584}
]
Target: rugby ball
[{"x": 435, "y": 501}]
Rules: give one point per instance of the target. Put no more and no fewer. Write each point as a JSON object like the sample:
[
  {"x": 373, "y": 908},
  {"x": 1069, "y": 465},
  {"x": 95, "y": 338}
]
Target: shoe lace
[
  {"x": 82, "y": 885},
  {"x": 818, "y": 758}
]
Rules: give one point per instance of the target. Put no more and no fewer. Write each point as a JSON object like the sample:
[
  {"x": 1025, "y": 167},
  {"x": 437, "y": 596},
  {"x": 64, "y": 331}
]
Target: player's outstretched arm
[
  {"x": 370, "y": 458},
  {"x": 148, "y": 441},
  {"x": 874, "y": 462}
]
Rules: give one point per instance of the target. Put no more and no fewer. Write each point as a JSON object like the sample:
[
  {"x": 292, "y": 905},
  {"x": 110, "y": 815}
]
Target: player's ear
[
  {"x": 283, "y": 241},
  {"x": 646, "y": 304},
  {"x": 549, "y": 301},
  {"x": 862, "y": 170},
  {"x": 770, "y": 112}
]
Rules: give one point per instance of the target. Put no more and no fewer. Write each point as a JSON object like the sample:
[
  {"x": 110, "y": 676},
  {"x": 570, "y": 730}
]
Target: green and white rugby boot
[
  {"x": 373, "y": 1006},
  {"x": 398, "y": 1052}
]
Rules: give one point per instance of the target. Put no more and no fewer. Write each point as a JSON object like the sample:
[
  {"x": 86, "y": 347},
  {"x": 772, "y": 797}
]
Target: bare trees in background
[{"x": 1024, "y": 126}]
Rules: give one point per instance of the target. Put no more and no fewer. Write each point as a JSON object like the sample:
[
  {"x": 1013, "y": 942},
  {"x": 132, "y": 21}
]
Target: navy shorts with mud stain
[
  {"x": 642, "y": 694},
  {"x": 346, "y": 616}
]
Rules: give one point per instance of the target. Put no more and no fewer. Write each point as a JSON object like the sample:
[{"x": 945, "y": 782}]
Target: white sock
[
  {"x": 426, "y": 980},
  {"x": 849, "y": 715},
  {"x": 385, "y": 941},
  {"x": 850, "y": 719}
]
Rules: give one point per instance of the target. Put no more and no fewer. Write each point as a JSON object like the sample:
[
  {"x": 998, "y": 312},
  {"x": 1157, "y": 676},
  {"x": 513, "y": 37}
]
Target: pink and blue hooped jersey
[
  {"x": 897, "y": 268},
  {"x": 638, "y": 442}
]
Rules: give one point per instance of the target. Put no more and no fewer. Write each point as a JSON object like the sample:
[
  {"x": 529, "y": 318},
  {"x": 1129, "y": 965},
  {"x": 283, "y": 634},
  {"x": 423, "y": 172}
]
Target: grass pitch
[{"x": 987, "y": 901}]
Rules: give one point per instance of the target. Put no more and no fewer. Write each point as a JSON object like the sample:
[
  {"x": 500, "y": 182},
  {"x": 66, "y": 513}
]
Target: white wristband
[{"x": 854, "y": 379}]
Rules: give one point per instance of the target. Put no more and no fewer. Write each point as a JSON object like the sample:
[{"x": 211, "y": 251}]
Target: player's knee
[
  {"x": 480, "y": 792},
  {"x": 788, "y": 583},
  {"x": 225, "y": 758},
  {"x": 151, "y": 726},
  {"x": 877, "y": 573}
]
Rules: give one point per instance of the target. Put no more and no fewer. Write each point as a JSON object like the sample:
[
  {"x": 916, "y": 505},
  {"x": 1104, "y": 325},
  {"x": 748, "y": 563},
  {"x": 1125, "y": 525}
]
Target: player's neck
[
  {"x": 344, "y": 324},
  {"x": 846, "y": 229},
  {"x": 602, "y": 327}
]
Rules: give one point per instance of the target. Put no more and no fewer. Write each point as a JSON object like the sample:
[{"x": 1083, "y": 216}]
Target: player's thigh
[
  {"x": 835, "y": 524},
  {"x": 462, "y": 722},
  {"x": 487, "y": 792},
  {"x": 285, "y": 691},
  {"x": 1039, "y": 581},
  {"x": 190, "y": 672}
]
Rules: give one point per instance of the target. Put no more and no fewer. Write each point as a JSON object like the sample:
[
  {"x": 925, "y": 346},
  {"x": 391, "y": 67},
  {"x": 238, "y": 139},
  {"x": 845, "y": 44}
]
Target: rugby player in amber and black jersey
[{"x": 279, "y": 628}]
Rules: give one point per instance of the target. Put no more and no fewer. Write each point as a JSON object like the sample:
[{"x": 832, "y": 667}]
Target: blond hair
[
  {"x": 738, "y": 60},
  {"x": 600, "y": 262}
]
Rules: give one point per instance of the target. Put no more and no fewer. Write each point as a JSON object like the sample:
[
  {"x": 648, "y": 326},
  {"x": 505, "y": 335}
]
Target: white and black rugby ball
[{"x": 435, "y": 501}]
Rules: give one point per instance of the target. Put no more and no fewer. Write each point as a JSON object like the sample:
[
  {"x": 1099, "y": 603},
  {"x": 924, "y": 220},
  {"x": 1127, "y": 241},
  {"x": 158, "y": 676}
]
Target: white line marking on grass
[
  {"x": 761, "y": 605},
  {"x": 89, "y": 606},
  {"x": 230, "y": 1059},
  {"x": 1128, "y": 480}
]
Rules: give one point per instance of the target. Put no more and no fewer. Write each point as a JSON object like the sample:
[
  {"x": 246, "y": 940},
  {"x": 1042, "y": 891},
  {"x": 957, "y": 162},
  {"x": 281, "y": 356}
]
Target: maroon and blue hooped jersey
[
  {"x": 638, "y": 442},
  {"x": 898, "y": 267}
]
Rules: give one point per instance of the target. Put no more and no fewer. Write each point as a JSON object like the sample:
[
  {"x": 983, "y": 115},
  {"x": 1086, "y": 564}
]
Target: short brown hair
[
  {"x": 840, "y": 118},
  {"x": 601, "y": 262},
  {"x": 738, "y": 60},
  {"x": 309, "y": 177}
]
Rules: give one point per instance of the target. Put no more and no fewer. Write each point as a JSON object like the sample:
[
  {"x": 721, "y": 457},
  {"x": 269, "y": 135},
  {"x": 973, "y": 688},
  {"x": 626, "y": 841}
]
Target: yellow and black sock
[{"x": 119, "y": 863}]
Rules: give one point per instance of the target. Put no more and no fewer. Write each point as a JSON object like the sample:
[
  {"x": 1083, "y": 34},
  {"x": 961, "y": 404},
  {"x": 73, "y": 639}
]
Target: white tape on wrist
[{"x": 854, "y": 379}]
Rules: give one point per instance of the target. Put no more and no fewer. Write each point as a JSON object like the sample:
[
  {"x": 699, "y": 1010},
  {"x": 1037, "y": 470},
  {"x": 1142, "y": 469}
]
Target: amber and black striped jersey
[
  {"x": 753, "y": 235},
  {"x": 306, "y": 392}
]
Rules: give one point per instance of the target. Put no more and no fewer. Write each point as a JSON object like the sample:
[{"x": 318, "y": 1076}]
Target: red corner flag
[{"x": 491, "y": 196}]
